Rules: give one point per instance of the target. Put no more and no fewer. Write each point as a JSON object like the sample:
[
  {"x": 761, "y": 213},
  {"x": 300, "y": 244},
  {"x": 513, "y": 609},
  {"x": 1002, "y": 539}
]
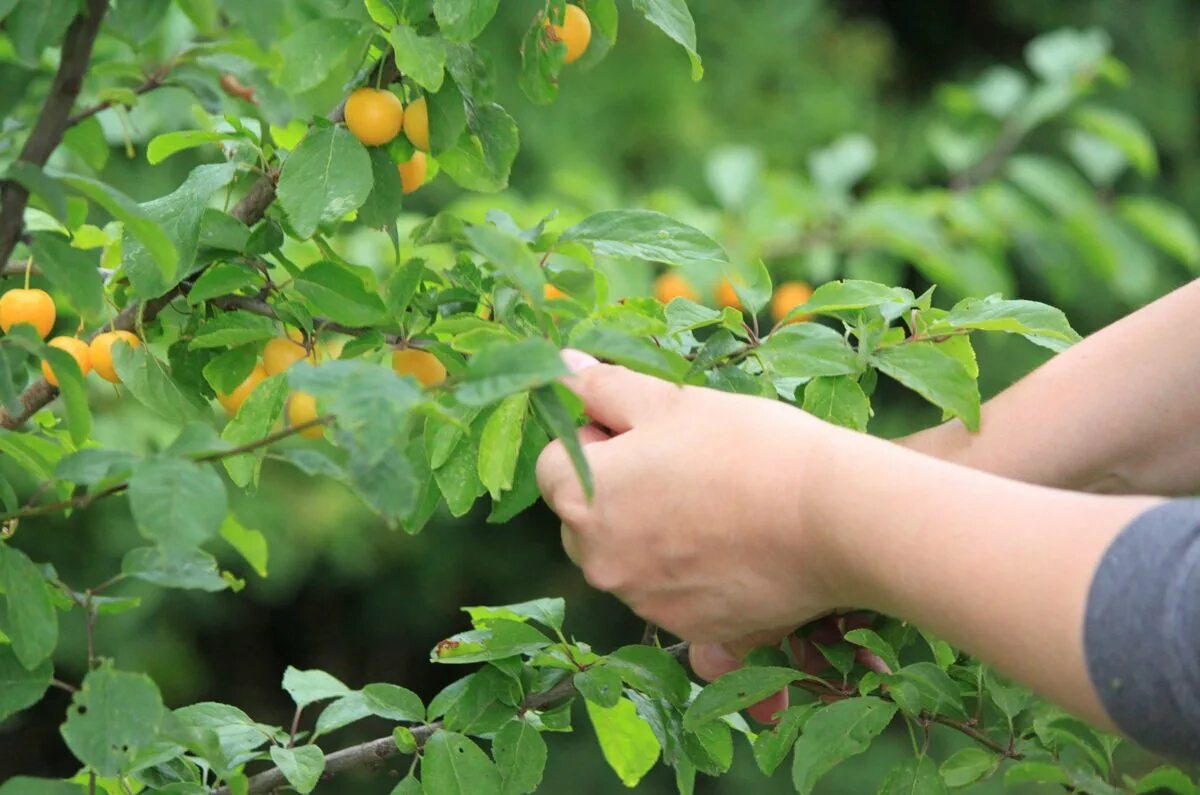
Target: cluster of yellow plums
[
  {"x": 36, "y": 308},
  {"x": 787, "y": 296},
  {"x": 376, "y": 116}
]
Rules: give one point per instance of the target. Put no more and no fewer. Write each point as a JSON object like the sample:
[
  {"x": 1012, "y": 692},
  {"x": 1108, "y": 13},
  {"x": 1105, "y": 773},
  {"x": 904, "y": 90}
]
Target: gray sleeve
[{"x": 1142, "y": 630}]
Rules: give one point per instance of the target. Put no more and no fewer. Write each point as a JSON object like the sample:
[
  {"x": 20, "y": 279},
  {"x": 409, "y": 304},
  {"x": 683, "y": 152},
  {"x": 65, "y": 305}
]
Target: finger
[
  {"x": 713, "y": 660},
  {"x": 615, "y": 397},
  {"x": 555, "y": 471},
  {"x": 570, "y": 543}
]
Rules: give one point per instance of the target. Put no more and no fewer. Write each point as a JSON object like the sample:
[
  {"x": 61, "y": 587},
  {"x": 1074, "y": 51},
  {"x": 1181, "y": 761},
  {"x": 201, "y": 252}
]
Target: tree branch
[
  {"x": 152, "y": 83},
  {"x": 53, "y": 119},
  {"x": 385, "y": 747}
]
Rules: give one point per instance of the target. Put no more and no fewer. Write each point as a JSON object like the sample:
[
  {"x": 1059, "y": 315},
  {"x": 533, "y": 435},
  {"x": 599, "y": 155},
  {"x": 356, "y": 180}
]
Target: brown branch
[
  {"x": 385, "y": 747},
  {"x": 85, "y": 500},
  {"x": 153, "y": 83},
  {"x": 53, "y": 119},
  {"x": 256, "y": 306}
]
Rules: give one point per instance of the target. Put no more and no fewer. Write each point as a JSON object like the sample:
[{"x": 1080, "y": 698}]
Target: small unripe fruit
[
  {"x": 302, "y": 408},
  {"x": 101, "y": 352},
  {"x": 421, "y": 365},
  {"x": 281, "y": 353},
  {"x": 79, "y": 352},
  {"x": 727, "y": 296},
  {"x": 374, "y": 115},
  {"x": 671, "y": 285},
  {"x": 34, "y": 307},
  {"x": 575, "y": 32},
  {"x": 234, "y": 400},
  {"x": 788, "y": 296},
  {"x": 412, "y": 172},
  {"x": 416, "y": 123}
]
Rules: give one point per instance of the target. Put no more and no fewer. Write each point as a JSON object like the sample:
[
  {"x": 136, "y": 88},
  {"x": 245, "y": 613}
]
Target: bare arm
[{"x": 1117, "y": 413}]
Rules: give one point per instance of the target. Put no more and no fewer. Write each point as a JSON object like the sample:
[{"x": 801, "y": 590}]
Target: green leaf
[
  {"x": 737, "y": 690},
  {"x": 339, "y": 293},
  {"x": 327, "y": 176},
  {"x": 463, "y": 20},
  {"x": 179, "y": 214},
  {"x": 500, "y": 639},
  {"x": 551, "y": 407},
  {"x": 394, "y": 702},
  {"x": 838, "y": 399},
  {"x": 73, "y": 390},
  {"x": 541, "y": 62},
  {"x": 178, "y": 503},
  {"x": 149, "y": 380},
  {"x": 226, "y": 371},
  {"x": 914, "y": 777},
  {"x": 24, "y": 785},
  {"x": 302, "y": 766},
  {"x": 599, "y": 684},
  {"x": 230, "y": 329},
  {"x": 383, "y": 205},
  {"x": 511, "y": 256},
  {"x": 673, "y": 18},
  {"x": 135, "y": 219},
  {"x": 836, "y": 733},
  {"x": 72, "y": 271},
  {"x": 684, "y": 315},
  {"x": 550, "y": 612},
  {"x": 938, "y": 693},
  {"x": 520, "y": 754},
  {"x": 32, "y": 27},
  {"x": 163, "y": 146},
  {"x": 220, "y": 279},
  {"x": 806, "y": 350},
  {"x": 254, "y": 420},
  {"x": 40, "y": 186},
  {"x": 113, "y": 716},
  {"x": 409, "y": 786},
  {"x": 447, "y": 118},
  {"x": 615, "y": 345},
  {"x": 1122, "y": 131},
  {"x": 843, "y": 163},
  {"x": 968, "y": 766},
  {"x": 1031, "y": 772},
  {"x": 1041, "y": 324},
  {"x": 20, "y": 687},
  {"x": 645, "y": 234},
  {"x": 852, "y": 294},
  {"x": 326, "y": 49},
  {"x": 309, "y": 687},
  {"x": 32, "y": 623},
  {"x": 250, "y": 544},
  {"x": 627, "y": 742},
  {"x": 192, "y": 569},
  {"x": 342, "y": 712},
  {"x": 481, "y": 159},
  {"x": 938, "y": 377},
  {"x": 772, "y": 747},
  {"x": 453, "y": 765},
  {"x": 870, "y": 640},
  {"x": 419, "y": 57},
  {"x": 652, "y": 671},
  {"x": 502, "y": 370},
  {"x": 1165, "y": 779},
  {"x": 501, "y": 443},
  {"x": 1165, "y": 225}
]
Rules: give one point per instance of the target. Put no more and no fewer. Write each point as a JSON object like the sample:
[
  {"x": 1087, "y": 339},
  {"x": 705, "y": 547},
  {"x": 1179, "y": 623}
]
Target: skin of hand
[
  {"x": 1109, "y": 415},
  {"x": 731, "y": 520}
]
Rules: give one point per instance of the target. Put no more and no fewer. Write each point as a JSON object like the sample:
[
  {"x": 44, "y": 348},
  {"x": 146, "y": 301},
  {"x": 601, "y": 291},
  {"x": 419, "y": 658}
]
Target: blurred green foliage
[{"x": 885, "y": 104}]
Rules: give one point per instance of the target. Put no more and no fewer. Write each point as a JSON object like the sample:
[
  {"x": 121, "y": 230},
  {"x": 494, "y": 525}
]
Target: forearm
[
  {"x": 1116, "y": 413},
  {"x": 998, "y": 568}
]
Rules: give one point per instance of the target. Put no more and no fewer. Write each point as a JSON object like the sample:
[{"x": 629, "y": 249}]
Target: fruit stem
[{"x": 28, "y": 268}]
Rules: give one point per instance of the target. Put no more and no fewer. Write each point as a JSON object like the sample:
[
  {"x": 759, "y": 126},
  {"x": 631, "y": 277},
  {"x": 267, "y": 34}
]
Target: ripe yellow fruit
[
  {"x": 34, "y": 307},
  {"x": 727, "y": 296},
  {"x": 79, "y": 352},
  {"x": 575, "y": 32},
  {"x": 234, "y": 400},
  {"x": 553, "y": 292},
  {"x": 100, "y": 349},
  {"x": 374, "y": 115},
  {"x": 788, "y": 296},
  {"x": 416, "y": 123},
  {"x": 421, "y": 365},
  {"x": 412, "y": 172},
  {"x": 281, "y": 353},
  {"x": 302, "y": 408},
  {"x": 671, "y": 285}
]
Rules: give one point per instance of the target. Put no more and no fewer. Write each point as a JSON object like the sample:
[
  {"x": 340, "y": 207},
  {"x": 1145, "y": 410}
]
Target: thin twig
[{"x": 152, "y": 83}]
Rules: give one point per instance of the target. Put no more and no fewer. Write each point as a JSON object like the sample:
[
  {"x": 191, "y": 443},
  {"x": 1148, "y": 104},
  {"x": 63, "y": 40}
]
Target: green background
[{"x": 783, "y": 78}]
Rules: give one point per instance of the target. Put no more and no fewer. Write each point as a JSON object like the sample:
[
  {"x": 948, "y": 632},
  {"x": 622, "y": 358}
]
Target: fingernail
[{"x": 577, "y": 360}]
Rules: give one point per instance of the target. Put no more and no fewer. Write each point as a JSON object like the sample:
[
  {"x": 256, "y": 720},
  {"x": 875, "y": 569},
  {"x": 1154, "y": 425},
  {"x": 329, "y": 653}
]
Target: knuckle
[{"x": 602, "y": 576}]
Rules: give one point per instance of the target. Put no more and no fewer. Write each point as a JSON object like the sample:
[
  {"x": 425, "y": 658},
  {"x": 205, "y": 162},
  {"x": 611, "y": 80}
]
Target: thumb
[{"x": 615, "y": 397}]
